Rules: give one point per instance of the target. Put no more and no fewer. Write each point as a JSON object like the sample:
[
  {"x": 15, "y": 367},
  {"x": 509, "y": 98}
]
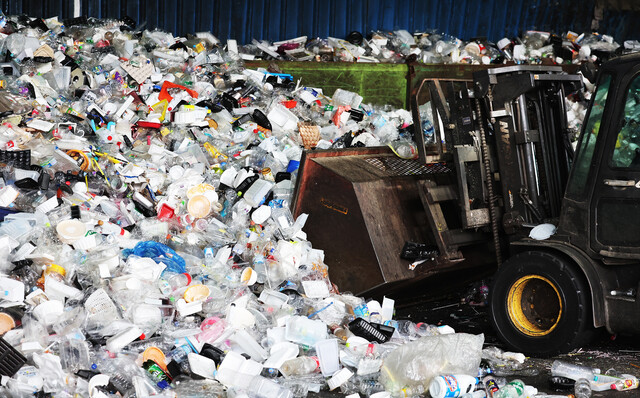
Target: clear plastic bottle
[
  {"x": 300, "y": 366},
  {"x": 370, "y": 386},
  {"x": 118, "y": 376},
  {"x": 474, "y": 394},
  {"x": 628, "y": 383},
  {"x": 515, "y": 389},
  {"x": 572, "y": 371},
  {"x": 582, "y": 388},
  {"x": 413, "y": 391}
]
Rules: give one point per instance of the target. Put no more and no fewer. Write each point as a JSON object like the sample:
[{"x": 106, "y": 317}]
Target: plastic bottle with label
[
  {"x": 451, "y": 386},
  {"x": 628, "y": 383},
  {"x": 515, "y": 389}
]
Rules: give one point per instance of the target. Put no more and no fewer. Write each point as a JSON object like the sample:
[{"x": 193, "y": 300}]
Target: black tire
[{"x": 540, "y": 305}]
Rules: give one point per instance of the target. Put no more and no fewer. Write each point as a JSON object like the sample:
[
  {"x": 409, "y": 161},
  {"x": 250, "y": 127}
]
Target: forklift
[
  {"x": 552, "y": 295},
  {"x": 578, "y": 270},
  {"x": 497, "y": 177}
]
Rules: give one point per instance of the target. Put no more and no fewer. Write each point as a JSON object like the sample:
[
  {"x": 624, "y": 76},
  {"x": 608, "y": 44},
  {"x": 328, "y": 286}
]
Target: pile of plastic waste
[
  {"x": 432, "y": 47},
  {"x": 148, "y": 248}
]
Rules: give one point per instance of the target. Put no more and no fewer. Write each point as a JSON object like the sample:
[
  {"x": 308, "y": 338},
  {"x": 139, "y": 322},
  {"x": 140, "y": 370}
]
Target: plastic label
[{"x": 452, "y": 386}]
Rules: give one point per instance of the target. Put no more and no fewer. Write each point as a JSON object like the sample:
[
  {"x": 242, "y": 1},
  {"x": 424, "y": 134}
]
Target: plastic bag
[{"x": 418, "y": 362}]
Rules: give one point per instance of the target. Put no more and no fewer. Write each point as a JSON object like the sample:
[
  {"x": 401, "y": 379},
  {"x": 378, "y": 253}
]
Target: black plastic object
[
  {"x": 418, "y": 251},
  {"x": 261, "y": 119},
  {"x": 10, "y": 359},
  {"x": 212, "y": 352},
  {"x": 241, "y": 120},
  {"x": 28, "y": 184},
  {"x": 19, "y": 159},
  {"x": 282, "y": 176},
  {"x": 355, "y": 37},
  {"x": 246, "y": 183},
  {"x": 75, "y": 212},
  {"x": 560, "y": 383},
  {"x": 371, "y": 331},
  {"x": 128, "y": 21},
  {"x": 86, "y": 374},
  {"x": 43, "y": 180},
  {"x": 356, "y": 115},
  {"x": 174, "y": 369}
]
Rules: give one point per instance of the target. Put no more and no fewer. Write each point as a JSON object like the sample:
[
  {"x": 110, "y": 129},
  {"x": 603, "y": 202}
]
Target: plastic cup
[
  {"x": 70, "y": 231},
  {"x": 248, "y": 276},
  {"x": 166, "y": 212},
  {"x": 199, "y": 206},
  {"x": 6, "y": 323},
  {"x": 196, "y": 293},
  {"x": 156, "y": 355}
]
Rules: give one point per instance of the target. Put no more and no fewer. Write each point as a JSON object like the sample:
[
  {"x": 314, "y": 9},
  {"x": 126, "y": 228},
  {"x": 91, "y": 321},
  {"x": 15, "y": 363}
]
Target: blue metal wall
[{"x": 281, "y": 19}]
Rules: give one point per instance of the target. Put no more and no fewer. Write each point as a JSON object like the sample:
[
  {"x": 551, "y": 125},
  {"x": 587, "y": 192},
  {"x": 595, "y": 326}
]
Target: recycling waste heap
[{"x": 147, "y": 247}]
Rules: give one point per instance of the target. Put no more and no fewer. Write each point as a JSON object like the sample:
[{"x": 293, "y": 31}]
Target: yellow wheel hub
[{"x": 534, "y": 305}]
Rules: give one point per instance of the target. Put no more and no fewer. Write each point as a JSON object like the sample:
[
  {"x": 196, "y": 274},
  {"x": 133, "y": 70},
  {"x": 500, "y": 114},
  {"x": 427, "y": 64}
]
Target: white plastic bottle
[{"x": 451, "y": 386}]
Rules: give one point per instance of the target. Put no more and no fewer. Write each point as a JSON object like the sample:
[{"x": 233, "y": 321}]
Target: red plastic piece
[
  {"x": 290, "y": 104},
  {"x": 164, "y": 93},
  {"x": 150, "y": 125}
]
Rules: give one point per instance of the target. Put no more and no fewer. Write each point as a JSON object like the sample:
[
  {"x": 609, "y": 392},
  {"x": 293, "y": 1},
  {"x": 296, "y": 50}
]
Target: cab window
[
  {"x": 626, "y": 153},
  {"x": 587, "y": 143}
]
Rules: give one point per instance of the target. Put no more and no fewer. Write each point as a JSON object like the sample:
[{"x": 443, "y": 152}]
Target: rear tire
[{"x": 540, "y": 304}]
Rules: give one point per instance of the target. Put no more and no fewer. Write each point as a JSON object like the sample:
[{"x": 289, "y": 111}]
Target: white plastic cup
[{"x": 70, "y": 231}]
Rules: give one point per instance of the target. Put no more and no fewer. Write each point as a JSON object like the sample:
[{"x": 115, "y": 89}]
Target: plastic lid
[
  {"x": 57, "y": 269},
  {"x": 437, "y": 387}
]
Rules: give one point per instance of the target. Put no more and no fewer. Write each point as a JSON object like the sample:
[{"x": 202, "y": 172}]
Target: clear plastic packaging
[{"x": 445, "y": 354}]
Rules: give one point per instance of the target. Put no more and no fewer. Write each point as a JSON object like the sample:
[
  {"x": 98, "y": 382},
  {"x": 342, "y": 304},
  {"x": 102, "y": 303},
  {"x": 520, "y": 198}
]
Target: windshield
[{"x": 584, "y": 159}]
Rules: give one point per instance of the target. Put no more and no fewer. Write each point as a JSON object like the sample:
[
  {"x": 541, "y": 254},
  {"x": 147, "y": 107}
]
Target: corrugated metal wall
[{"x": 281, "y": 19}]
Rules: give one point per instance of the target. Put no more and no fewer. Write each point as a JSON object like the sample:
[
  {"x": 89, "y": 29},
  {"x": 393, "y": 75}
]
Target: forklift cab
[{"x": 602, "y": 201}]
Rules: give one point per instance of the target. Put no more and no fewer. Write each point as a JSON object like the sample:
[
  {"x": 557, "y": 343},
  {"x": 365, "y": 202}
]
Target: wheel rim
[{"x": 534, "y": 305}]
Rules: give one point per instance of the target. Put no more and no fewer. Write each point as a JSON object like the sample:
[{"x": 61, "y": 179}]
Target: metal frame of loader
[{"x": 504, "y": 134}]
